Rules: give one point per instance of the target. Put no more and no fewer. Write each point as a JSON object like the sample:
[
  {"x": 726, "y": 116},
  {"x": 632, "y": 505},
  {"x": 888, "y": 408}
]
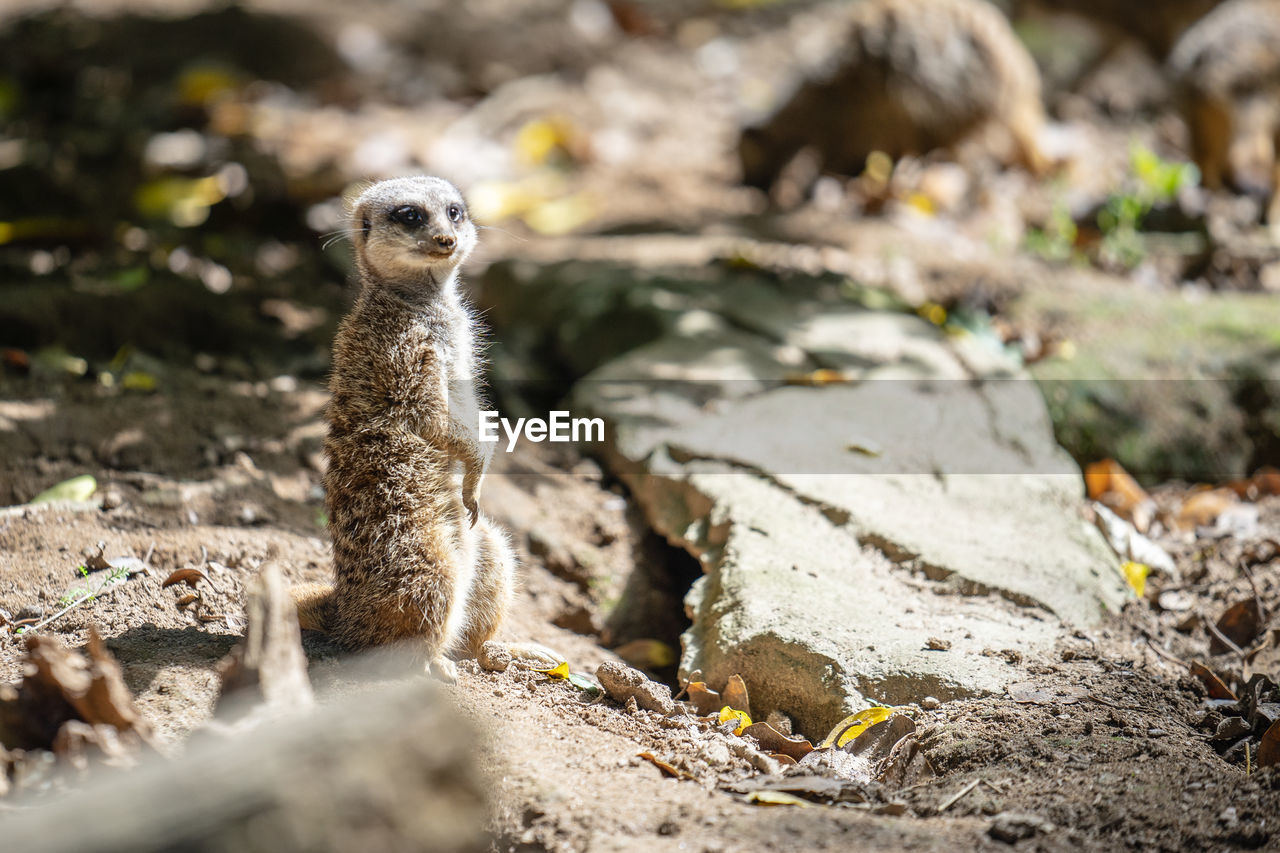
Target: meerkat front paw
[
  {"x": 443, "y": 669},
  {"x": 471, "y": 499}
]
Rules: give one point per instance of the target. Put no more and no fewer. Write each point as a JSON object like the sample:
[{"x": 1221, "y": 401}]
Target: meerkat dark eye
[
  {"x": 408, "y": 215},
  {"x": 455, "y": 213}
]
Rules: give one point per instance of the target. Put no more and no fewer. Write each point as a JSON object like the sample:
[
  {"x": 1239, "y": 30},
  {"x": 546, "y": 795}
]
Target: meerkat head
[{"x": 411, "y": 231}]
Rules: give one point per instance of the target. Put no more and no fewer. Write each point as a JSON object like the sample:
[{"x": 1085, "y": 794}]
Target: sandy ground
[{"x": 1116, "y": 760}]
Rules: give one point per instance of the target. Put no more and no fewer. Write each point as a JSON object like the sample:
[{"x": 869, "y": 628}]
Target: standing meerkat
[
  {"x": 912, "y": 75},
  {"x": 1231, "y": 57},
  {"x": 414, "y": 560}
]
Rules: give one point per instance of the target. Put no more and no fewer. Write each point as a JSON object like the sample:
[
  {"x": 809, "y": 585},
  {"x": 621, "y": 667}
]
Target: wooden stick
[{"x": 955, "y": 798}]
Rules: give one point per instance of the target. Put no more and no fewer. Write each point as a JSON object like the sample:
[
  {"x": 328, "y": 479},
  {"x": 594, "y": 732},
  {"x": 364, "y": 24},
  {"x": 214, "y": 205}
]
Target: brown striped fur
[{"x": 413, "y": 558}]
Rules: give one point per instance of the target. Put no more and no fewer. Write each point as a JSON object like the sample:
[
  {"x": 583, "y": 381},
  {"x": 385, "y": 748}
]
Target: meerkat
[
  {"x": 912, "y": 76},
  {"x": 414, "y": 559},
  {"x": 1230, "y": 58}
]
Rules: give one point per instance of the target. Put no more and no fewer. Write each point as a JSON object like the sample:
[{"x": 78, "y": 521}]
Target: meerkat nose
[{"x": 446, "y": 241}]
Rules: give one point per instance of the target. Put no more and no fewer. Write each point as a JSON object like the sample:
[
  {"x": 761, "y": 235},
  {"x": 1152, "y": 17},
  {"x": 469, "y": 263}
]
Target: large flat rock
[{"x": 854, "y": 483}]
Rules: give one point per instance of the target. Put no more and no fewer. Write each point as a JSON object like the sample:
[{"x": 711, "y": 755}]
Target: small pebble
[
  {"x": 625, "y": 683},
  {"x": 494, "y": 657},
  {"x": 1010, "y": 827},
  {"x": 930, "y": 703}
]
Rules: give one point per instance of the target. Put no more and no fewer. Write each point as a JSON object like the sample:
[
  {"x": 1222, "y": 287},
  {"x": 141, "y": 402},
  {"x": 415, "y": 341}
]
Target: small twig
[
  {"x": 1226, "y": 641},
  {"x": 955, "y": 798},
  {"x": 1257, "y": 597},
  {"x": 107, "y": 588},
  {"x": 993, "y": 786},
  {"x": 1166, "y": 655},
  {"x": 81, "y": 600},
  {"x": 1096, "y": 698}
]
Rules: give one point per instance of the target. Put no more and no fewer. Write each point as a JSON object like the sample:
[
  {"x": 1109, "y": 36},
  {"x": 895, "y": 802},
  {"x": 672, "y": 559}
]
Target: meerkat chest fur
[{"x": 406, "y": 365}]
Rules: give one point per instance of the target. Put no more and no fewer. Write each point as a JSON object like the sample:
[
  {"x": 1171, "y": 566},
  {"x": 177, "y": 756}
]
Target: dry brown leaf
[
  {"x": 190, "y": 577},
  {"x": 188, "y": 599},
  {"x": 1217, "y": 689},
  {"x": 1241, "y": 623},
  {"x": 785, "y": 760},
  {"x": 1265, "y": 657},
  {"x": 774, "y": 741},
  {"x": 60, "y": 685},
  {"x": 735, "y": 695},
  {"x": 1108, "y": 483},
  {"x": 1264, "y": 482},
  {"x": 1202, "y": 508},
  {"x": 705, "y": 700},
  {"x": 905, "y": 764},
  {"x": 98, "y": 561},
  {"x": 664, "y": 766},
  {"x": 1269, "y": 748}
]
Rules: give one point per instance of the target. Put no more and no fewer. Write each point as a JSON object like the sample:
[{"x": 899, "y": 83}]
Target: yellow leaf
[
  {"x": 704, "y": 699},
  {"x": 203, "y": 83},
  {"x": 138, "y": 380},
  {"x": 879, "y": 167},
  {"x": 776, "y": 798},
  {"x": 537, "y": 141},
  {"x": 42, "y": 228},
  {"x": 933, "y": 312},
  {"x": 76, "y": 489},
  {"x": 822, "y": 376},
  {"x": 1136, "y": 575},
  {"x": 727, "y": 714},
  {"x": 185, "y": 201},
  {"x": 560, "y": 216},
  {"x": 559, "y": 671},
  {"x": 921, "y": 203},
  {"x": 852, "y": 726}
]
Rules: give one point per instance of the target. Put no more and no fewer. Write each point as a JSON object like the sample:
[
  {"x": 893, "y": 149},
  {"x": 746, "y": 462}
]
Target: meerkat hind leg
[{"x": 493, "y": 587}]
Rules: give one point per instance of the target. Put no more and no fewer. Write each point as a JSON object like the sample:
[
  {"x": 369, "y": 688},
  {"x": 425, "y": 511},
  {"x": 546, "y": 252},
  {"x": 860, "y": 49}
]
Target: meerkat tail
[{"x": 315, "y": 606}]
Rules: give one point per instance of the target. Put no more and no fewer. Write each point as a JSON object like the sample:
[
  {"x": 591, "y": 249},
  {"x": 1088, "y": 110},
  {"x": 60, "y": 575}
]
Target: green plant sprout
[
  {"x": 1152, "y": 180},
  {"x": 1057, "y": 240},
  {"x": 81, "y": 594}
]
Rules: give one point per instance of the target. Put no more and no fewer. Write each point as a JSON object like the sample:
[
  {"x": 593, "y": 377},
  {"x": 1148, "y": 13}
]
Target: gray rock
[
  {"x": 494, "y": 657},
  {"x": 1010, "y": 827},
  {"x": 841, "y": 525},
  {"x": 626, "y": 684}
]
